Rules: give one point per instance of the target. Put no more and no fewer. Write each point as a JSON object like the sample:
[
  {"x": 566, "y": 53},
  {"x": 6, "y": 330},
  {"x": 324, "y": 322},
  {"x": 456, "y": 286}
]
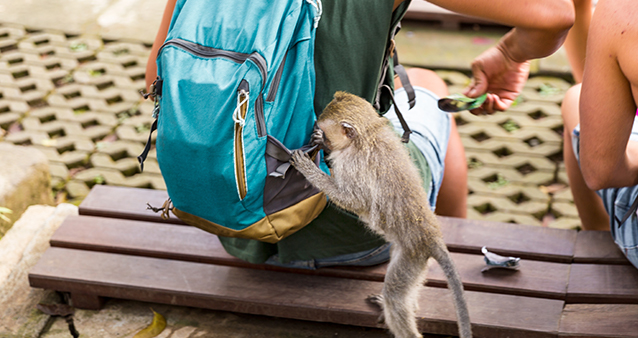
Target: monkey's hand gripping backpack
[{"x": 234, "y": 96}]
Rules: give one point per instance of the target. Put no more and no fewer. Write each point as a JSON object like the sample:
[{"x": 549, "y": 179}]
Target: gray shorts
[
  {"x": 617, "y": 202},
  {"x": 430, "y": 131}
]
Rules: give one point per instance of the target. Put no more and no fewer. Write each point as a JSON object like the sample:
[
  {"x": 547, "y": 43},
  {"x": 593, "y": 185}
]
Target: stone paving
[{"x": 76, "y": 98}]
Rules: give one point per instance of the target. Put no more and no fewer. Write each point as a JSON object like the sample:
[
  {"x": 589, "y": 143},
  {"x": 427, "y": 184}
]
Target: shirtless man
[{"x": 601, "y": 129}]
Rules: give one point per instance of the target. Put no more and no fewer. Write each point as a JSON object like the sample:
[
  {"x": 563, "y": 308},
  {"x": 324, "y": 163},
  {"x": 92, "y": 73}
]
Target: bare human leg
[{"x": 590, "y": 207}]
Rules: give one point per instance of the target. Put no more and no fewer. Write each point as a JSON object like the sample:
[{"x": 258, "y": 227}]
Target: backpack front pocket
[{"x": 208, "y": 143}]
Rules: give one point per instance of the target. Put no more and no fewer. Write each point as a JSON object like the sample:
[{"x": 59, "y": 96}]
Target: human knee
[
  {"x": 569, "y": 108},
  {"x": 428, "y": 79}
]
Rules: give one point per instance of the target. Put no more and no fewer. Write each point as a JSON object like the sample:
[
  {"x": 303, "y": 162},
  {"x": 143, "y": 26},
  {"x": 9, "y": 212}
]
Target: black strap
[
  {"x": 405, "y": 80},
  {"x": 406, "y": 129},
  {"x": 147, "y": 148},
  {"x": 631, "y": 211}
]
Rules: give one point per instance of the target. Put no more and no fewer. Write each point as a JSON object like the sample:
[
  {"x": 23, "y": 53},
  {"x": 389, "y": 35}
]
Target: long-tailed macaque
[{"x": 374, "y": 177}]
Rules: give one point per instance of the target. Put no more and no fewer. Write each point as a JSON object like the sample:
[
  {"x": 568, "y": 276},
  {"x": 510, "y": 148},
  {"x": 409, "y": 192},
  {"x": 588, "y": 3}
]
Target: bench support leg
[{"x": 86, "y": 301}]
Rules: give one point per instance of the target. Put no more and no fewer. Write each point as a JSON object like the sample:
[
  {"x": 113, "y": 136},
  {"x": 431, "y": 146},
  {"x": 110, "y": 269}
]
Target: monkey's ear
[{"x": 349, "y": 130}]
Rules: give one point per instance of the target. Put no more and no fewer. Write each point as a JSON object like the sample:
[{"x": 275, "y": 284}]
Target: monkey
[{"x": 373, "y": 176}]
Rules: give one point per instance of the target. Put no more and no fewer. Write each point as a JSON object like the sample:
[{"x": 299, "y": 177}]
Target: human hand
[{"x": 497, "y": 74}]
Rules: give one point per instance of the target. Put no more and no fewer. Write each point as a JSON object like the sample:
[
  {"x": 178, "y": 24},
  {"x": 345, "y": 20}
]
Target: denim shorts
[
  {"x": 617, "y": 202},
  {"x": 430, "y": 133}
]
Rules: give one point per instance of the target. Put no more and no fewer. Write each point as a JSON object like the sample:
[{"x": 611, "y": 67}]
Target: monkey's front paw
[
  {"x": 317, "y": 137},
  {"x": 301, "y": 161}
]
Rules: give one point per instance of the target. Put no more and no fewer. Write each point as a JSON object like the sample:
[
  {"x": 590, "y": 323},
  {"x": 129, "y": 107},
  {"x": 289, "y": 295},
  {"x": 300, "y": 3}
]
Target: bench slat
[
  {"x": 535, "y": 279},
  {"x": 280, "y": 294},
  {"x": 597, "y": 247},
  {"x": 524, "y": 241},
  {"x": 598, "y": 283},
  {"x": 461, "y": 235},
  {"x": 532, "y": 279},
  {"x": 174, "y": 242},
  {"x": 125, "y": 203},
  {"x": 599, "y": 320}
]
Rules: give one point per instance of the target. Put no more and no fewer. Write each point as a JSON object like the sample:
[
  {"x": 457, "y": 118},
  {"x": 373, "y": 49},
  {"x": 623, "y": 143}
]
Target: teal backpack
[{"x": 234, "y": 96}]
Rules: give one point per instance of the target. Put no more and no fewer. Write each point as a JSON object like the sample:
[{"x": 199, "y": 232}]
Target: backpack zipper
[
  {"x": 272, "y": 92},
  {"x": 239, "y": 116},
  {"x": 209, "y": 52}
]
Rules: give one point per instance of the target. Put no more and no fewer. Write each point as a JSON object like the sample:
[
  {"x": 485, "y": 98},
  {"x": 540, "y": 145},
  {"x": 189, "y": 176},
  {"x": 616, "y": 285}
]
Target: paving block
[
  {"x": 68, "y": 143},
  {"x": 11, "y": 32},
  {"x": 564, "y": 195},
  {"x": 453, "y": 78},
  {"x": 27, "y": 137},
  {"x": 503, "y": 176},
  {"x": 57, "y": 128},
  {"x": 536, "y": 109},
  {"x": 498, "y": 216},
  {"x": 552, "y": 95},
  {"x": 46, "y": 38},
  {"x": 76, "y": 189},
  {"x": 128, "y": 166},
  {"x": 505, "y": 148},
  {"x": 566, "y": 223},
  {"x": 565, "y": 209},
  {"x": 487, "y": 204},
  {"x": 71, "y": 159},
  {"x": 118, "y": 49},
  {"x": 512, "y": 191},
  {"x": 86, "y": 119},
  {"x": 58, "y": 170},
  {"x": 136, "y": 129},
  {"x": 533, "y": 137},
  {"x": 523, "y": 163},
  {"x": 115, "y": 177}
]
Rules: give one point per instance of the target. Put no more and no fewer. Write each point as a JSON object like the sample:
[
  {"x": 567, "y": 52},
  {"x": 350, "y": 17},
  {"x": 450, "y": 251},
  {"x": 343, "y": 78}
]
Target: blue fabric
[
  {"x": 617, "y": 202},
  {"x": 197, "y": 142}
]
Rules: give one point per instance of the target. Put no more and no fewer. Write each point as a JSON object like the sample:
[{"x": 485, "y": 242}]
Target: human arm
[
  {"x": 607, "y": 105},
  {"x": 151, "y": 65},
  {"x": 576, "y": 40},
  {"x": 540, "y": 28}
]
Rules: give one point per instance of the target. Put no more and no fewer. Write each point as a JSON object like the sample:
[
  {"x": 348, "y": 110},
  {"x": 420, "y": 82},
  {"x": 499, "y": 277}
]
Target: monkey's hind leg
[{"x": 400, "y": 291}]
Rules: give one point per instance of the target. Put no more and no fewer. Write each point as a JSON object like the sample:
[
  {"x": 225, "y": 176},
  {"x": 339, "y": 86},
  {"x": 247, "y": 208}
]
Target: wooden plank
[
  {"x": 597, "y": 247},
  {"x": 535, "y": 278},
  {"x": 598, "y": 283},
  {"x": 172, "y": 242},
  {"x": 125, "y": 203},
  {"x": 280, "y": 294},
  {"x": 461, "y": 235},
  {"x": 532, "y": 279},
  {"x": 599, "y": 320},
  {"x": 525, "y": 241}
]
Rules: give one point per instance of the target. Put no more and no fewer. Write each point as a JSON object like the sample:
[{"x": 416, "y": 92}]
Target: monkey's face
[{"x": 336, "y": 135}]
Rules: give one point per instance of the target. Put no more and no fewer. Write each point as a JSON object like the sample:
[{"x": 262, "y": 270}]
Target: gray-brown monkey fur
[{"x": 374, "y": 177}]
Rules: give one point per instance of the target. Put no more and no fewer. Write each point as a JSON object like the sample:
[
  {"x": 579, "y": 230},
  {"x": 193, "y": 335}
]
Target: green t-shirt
[{"x": 352, "y": 38}]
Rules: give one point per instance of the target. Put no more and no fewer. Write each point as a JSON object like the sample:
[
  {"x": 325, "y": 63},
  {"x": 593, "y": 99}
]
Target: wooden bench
[{"x": 570, "y": 284}]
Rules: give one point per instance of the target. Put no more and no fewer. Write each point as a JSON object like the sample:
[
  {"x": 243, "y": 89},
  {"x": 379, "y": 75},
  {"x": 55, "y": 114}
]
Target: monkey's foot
[{"x": 378, "y": 301}]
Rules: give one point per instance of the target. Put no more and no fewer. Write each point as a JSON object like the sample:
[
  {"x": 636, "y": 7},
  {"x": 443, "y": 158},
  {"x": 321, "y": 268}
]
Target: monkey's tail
[{"x": 442, "y": 256}]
